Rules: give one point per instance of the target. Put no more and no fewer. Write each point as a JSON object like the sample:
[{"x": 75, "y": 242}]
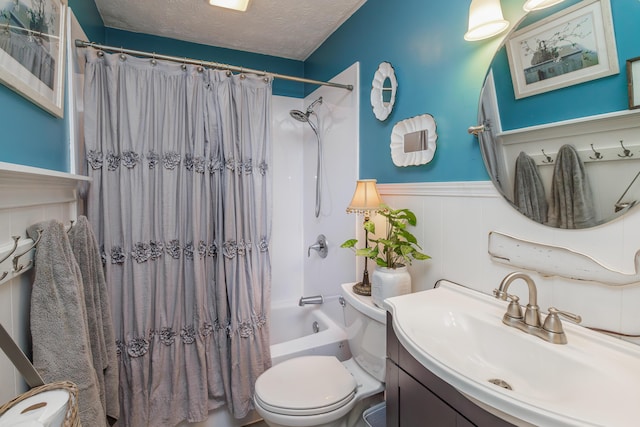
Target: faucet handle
[
  {"x": 513, "y": 309},
  {"x": 320, "y": 245},
  {"x": 553, "y": 324}
]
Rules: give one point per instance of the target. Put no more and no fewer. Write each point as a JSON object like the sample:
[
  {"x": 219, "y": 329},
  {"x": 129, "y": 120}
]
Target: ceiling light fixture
[
  {"x": 240, "y": 5},
  {"x": 485, "y": 20},
  {"x": 530, "y": 5}
]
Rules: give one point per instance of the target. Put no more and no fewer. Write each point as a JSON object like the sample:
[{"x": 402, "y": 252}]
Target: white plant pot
[{"x": 389, "y": 282}]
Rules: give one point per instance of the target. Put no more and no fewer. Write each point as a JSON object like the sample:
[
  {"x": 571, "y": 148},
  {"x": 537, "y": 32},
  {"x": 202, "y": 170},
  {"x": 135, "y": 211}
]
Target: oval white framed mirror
[
  {"x": 413, "y": 141},
  {"x": 604, "y": 138},
  {"x": 383, "y": 91}
]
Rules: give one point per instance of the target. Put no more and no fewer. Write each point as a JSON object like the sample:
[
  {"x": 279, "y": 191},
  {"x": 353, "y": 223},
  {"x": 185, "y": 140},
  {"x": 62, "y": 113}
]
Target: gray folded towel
[
  {"x": 528, "y": 191},
  {"x": 571, "y": 204},
  {"x": 97, "y": 301},
  {"x": 59, "y": 331}
]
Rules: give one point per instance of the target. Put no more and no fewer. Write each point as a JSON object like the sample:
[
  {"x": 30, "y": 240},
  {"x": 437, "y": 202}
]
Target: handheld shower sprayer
[{"x": 305, "y": 117}]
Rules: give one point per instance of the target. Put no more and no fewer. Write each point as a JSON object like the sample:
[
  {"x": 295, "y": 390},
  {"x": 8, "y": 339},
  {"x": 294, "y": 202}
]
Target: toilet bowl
[{"x": 320, "y": 390}]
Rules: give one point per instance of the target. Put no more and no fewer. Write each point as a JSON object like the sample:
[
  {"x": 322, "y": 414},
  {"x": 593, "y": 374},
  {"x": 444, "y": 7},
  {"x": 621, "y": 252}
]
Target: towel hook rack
[
  {"x": 626, "y": 151},
  {"x": 547, "y": 158},
  {"x": 16, "y": 258},
  {"x": 598, "y": 154},
  {"x": 15, "y": 246}
]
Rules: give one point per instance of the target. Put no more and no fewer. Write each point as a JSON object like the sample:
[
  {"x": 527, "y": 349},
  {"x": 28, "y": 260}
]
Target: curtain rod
[{"x": 82, "y": 44}]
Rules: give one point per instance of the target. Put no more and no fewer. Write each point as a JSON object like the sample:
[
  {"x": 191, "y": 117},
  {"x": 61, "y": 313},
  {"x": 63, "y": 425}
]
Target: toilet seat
[{"x": 307, "y": 385}]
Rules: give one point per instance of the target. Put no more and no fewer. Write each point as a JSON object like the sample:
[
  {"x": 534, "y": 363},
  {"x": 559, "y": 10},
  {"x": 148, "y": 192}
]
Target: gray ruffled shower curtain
[{"x": 180, "y": 200}]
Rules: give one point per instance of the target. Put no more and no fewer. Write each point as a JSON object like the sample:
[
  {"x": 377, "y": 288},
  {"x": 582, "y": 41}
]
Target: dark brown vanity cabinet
[{"x": 417, "y": 398}]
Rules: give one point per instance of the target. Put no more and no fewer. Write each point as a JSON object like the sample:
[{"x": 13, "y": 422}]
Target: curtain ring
[
  {"x": 201, "y": 67},
  {"x": 242, "y": 76},
  {"x": 184, "y": 65},
  {"x": 153, "y": 59},
  {"x": 123, "y": 57}
]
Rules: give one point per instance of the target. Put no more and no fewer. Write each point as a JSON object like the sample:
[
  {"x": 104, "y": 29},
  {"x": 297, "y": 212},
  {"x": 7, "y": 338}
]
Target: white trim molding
[
  {"x": 22, "y": 186},
  {"x": 483, "y": 189}
]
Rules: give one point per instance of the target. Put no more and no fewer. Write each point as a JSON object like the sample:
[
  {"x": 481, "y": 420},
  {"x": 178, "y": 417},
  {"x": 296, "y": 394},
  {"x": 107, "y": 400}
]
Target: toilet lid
[{"x": 305, "y": 385}]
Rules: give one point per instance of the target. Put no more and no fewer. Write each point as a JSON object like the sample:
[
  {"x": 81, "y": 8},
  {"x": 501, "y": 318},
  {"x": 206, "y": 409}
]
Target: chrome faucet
[
  {"x": 316, "y": 299},
  {"x": 551, "y": 330}
]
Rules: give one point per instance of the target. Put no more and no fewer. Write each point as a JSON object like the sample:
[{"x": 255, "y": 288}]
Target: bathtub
[{"x": 293, "y": 333}]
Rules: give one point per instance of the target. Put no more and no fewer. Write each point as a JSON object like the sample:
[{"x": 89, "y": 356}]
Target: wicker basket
[{"x": 71, "y": 418}]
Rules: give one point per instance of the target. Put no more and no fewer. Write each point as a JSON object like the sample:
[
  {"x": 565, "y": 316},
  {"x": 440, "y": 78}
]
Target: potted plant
[{"x": 392, "y": 252}]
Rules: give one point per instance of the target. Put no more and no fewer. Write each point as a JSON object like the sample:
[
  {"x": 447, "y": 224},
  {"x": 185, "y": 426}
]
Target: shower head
[
  {"x": 304, "y": 116},
  {"x": 299, "y": 115}
]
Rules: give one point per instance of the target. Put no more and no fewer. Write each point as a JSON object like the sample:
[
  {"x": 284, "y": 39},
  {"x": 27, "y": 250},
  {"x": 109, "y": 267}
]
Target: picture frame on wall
[
  {"x": 572, "y": 46},
  {"x": 32, "y": 50},
  {"x": 633, "y": 80}
]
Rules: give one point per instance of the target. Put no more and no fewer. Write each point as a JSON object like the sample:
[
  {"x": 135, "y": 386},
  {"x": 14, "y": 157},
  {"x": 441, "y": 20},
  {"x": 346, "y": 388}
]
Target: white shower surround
[{"x": 295, "y": 226}]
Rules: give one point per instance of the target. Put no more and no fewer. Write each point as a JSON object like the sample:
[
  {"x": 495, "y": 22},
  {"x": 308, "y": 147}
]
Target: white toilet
[{"x": 321, "y": 390}]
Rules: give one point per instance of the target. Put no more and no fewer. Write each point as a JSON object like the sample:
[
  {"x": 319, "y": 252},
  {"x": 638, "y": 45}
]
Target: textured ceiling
[{"x": 284, "y": 28}]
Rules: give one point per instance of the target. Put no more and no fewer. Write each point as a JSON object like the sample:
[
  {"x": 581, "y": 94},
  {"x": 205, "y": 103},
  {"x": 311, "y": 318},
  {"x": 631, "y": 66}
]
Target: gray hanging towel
[
  {"x": 528, "y": 192},
  {"x": 98, "y": 305},
  {"x": 59, "y": 331},
  {"x": 571, "y": 204}
]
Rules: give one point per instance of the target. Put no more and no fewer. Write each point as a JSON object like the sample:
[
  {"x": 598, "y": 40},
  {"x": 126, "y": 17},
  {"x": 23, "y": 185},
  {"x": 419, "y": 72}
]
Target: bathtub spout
[{"x": 316, "y": 299}]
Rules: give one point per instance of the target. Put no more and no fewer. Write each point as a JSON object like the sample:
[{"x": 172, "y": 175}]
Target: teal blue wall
[
  {"x": 89, "y": 18},
  {"x": 30, "y": 135},
  {"x": 438, "y": 73},
  {"x": 149, "y": 43},
  {"x": 595, "y": 97}
]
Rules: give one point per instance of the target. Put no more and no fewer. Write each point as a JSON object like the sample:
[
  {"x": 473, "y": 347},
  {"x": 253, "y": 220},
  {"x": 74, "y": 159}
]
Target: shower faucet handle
[{"x": 320, "y": 245}]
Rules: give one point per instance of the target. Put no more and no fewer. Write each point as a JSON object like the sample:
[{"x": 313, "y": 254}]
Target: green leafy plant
[{"x": 398, "y": 247}]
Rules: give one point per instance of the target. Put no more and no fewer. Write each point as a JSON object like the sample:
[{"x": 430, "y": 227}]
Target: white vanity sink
[{"x": 458, "y": 334}]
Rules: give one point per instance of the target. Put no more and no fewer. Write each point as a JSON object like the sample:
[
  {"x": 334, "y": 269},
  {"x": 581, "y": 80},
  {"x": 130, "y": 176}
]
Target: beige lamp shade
[
  {"x": 366, "y": 198},
  {"x": 485, "y": 20},
  {"x": 530, "y": 5}
]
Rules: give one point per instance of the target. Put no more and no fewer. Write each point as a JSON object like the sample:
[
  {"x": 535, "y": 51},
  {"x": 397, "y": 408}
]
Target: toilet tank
[{"x": 366, "y": 332}]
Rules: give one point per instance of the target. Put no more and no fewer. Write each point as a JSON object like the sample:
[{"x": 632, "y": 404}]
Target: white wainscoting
[
  {"x": 454, "y": 221},
  {"x": 27, "y": 196}
]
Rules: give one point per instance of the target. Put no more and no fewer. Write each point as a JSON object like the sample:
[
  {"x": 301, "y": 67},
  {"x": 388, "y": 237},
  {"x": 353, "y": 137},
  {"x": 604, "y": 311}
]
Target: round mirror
[
  {"x": 383, "y": 91},
  {"x": 556, "y": 134}
]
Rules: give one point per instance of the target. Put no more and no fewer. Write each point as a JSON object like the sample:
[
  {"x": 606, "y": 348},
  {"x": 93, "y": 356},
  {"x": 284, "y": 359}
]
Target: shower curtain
[{"x": 180, "y": 200}]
